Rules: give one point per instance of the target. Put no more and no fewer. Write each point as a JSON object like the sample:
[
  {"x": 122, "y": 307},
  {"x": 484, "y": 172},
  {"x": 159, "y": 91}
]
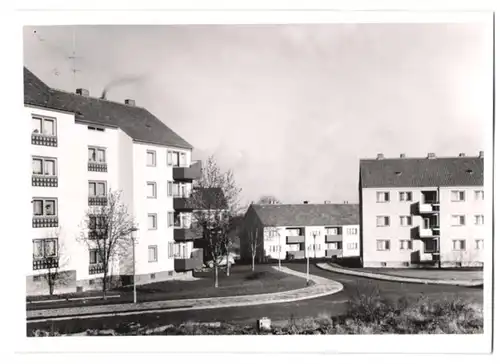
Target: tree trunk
[
  {"x": 253, "y": 262},
  {"x": 228, "y": 267},
  {"x": 104, "y": 286},
  {"x": 216, "y": 275}
]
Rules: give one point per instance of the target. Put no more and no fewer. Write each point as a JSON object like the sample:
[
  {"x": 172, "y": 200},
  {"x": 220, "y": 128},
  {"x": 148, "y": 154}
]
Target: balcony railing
[
  {"x": 333, "y": 253},
  {"x": 428, "y": 232},
  {"x": 96, "y": 268},
  {"x": 428, "y": 207},
  {"x": 45, "y": 263},
  {"x": 97, "y": 167},
  {"x": 295, "y": 239},
  {"x": 187, "y": 172},
  {"x": 182, "y": 203},
  {"x": 44, "y": 180},
  {"x": 333, "y": 238},
  {"x": 41, "y": 139},
  {"x": 185, "y": 234},
  {"x": 97, "y": 234},
  {"x": 300, "y": 254},
  {"x": 98, "y": 200},
  {"x": 45, "y": 221}
]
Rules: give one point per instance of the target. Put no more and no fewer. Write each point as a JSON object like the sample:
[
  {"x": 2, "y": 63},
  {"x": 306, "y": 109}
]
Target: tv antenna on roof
[{"x": 73, "y": 58}]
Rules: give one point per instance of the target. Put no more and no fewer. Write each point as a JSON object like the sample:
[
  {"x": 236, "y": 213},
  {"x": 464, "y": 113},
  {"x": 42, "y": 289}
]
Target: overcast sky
[{"x": 290, "y": 108}]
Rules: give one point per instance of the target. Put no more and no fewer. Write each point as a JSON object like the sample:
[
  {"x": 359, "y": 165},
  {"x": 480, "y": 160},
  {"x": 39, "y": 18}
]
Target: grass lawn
[
  {"x": 241, "y": 281},
  {"x": 446, "y": 274}
]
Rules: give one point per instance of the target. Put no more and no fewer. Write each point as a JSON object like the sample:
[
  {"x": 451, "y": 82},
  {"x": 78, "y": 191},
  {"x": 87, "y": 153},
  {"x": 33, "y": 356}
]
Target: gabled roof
[
  {"x": 135, "y": 121},
  {"x": 307, "y": 214},
  {"x": 422, "y": 172}
]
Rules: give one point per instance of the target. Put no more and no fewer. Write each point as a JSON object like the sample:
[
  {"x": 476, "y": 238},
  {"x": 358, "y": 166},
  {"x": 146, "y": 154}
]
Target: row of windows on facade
[
  {"x": 430, "y": 197},
  {"x": 407, "y": 221},
  {"x": 49, "y": 248},
  {"x": 48, "y": 165},
  {"x": 175, "y": 219},
  {"x": 48, "y": 126},
  {"x": 458, "y": 244},
  {"x": 299, "y": 232},
  {"x": 175, "y": 159},
  {"x": 317, "y": 247}
]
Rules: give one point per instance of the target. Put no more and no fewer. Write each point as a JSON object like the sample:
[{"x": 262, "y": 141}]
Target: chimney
[
  {"x": 402, "y": 155},
  {"x": 481, "y": 154},
  {"x": 346, "y": 202},
  {"x": 461, "y": 155},
  {"x": 306, "y": 202},
  {"x": 327, "y": 202},
  {"x": 431, "y": 156},
  {"x": 380, "y": 156},
  {"x": 83, "y": 92},
  {"x": 130, "y": 102}
]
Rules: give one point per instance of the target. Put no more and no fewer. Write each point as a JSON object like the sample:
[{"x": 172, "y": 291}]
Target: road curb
[
  {"x": 322, "y": 287},
  {"x": 386, "y": 277}
]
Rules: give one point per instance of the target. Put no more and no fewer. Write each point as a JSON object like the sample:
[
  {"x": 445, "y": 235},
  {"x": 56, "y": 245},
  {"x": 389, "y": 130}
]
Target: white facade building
[
  {"x": 299, "y": 231},
  {"x": 422, "y": 211},
  {"x": 83, "y": 147}
]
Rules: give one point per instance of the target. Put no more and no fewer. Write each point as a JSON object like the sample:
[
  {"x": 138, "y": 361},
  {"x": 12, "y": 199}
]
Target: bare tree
[
  {"x": 268, "y": 200},
  {"x": 254, "y": 243},
  {"x": 107, "y": 229},
  {"x": 215, "y": 200},
  {"x": 52, "y": 251}
]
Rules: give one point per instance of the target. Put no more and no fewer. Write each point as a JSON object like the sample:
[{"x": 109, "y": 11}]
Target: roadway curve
[{"x": 332, "y": 305}]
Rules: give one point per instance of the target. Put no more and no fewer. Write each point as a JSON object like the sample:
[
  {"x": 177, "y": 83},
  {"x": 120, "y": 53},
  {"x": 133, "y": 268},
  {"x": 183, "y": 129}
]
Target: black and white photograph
[{"x": 328, "y": 178}]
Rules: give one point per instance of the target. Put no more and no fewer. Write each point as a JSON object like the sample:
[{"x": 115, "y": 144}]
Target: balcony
[
  {"x": 185, "y": 234},
  {"x": 46, "y": 140},
  {"x": 98, "y": 234},
  {"x": 333, "y": 238},
  {"x": 428, "y": 208},
  {"x": 97, "y": 167},
  {"x": 295, "y": 239},
  {"x": 330, "y": 253},
  {"x": 299, "y": 254},
  {"x": 182, "y": 203},
  {"x": 44, "y": 181},
  {"x": 430, "y": 232},
  {"x": 98, "y": 200},
  {"x": 96, "y": 268},
  {"x": 45, "y": 221},
  {"x": 187, "y": 172},
  {"x": 45, "y": 263}
]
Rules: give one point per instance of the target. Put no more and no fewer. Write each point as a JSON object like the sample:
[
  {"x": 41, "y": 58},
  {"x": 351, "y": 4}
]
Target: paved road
[{"x": 332, "y": 305}]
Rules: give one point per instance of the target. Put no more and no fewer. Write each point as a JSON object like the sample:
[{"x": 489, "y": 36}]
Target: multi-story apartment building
[
  {"x": 81, "y": 148},
  {"x": 422, "y": 211},
  {"x": 301, "y": 230}
]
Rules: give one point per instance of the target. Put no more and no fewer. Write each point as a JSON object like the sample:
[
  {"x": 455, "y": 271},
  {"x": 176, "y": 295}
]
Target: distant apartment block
[
  {"x": 422, "y": 211},
  {"x": 81, "y": 147},
  {"x": 301, "y": 230}
]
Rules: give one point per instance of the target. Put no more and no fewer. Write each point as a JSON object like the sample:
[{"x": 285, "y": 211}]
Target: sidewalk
[
  {"x": 321, "y": 287},
  {"x": 398, "y": 278}
]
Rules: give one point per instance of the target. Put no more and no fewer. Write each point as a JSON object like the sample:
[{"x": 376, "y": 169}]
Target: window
[
  {"x": 169, "y": 158},
  {"x": 97, "y": 155},
  {"x": 97, "y": 188},
  {"x": 352, "y": 231},
  {"x": 383, "y": 245},
  {"x": 170, "y": 249},
  {"x": 44, "y": 248},
  {"x": 405, "y": 245},
  {"x": 383, "y": 197},
  {"x": 152, "y": 223},
  {"x": 479, "y": 243},
  {"x": 95, "y": 128},
  {"x": 175, "y": 159},
  {"x": 458, "y": 220},
  {"x": 383, "y": 221},
  {"x": 479, "y": 195},
  {"x": 352, "y": 246},
  {"x": 151, "y": 189},
  {"x": 457, "y": 196},
  {"x": 44, "y": 207},
  {"x": 175, "y": 189},
  {"x": 94, "y": 256},
  {"x": 458, "y": 244},
  {"x": 43, "y": 125},
  {"x": 405, "y": 221},
  {"x": 170, "y": 218},
  {"x": 151, "y": 158},
  {"x": 169, "y": 188},
  {"x": 479, "y": 219},
  {"x": 152, "y": 253},
  {"x": 182, "y": 159},
  {"x": 405, "y": 196},
  {"x": 332, "y": 231},
  {"x": 44, "y": 166},
  {"x": 97, "y": 222}
]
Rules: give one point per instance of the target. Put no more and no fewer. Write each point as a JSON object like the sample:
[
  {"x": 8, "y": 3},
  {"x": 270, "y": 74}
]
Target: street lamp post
[
  {"x": 307, "y": 258},
  {"x": 134, "y": 236},
  {"x": 279, "y": 249}
]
